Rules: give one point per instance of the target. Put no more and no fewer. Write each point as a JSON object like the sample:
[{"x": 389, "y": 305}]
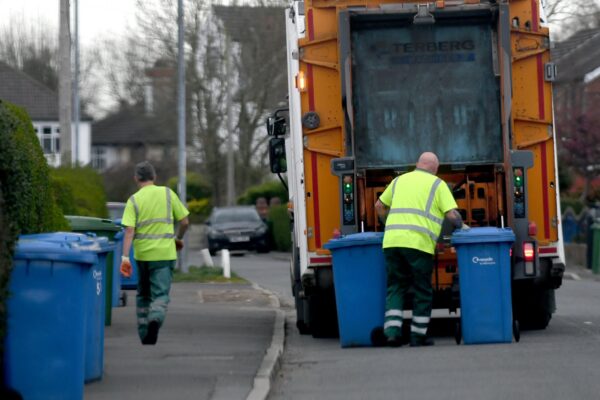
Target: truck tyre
[
  {"x": 299, "y": 303},
  {"x": 323, "y": 315},
  {"x": 533, "y": 307}
]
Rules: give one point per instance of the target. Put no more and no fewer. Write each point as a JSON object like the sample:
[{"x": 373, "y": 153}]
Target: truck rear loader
[{"x": 372, "y": 85}]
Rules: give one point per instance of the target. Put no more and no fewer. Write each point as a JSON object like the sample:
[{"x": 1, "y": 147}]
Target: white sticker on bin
[{"x": 484, "y": 260}]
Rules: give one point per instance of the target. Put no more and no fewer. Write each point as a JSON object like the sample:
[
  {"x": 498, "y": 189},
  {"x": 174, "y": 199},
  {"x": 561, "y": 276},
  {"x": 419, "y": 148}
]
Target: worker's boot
[
  {"x": 421, "y": 341},
  {"x": 152, "y": 335}
]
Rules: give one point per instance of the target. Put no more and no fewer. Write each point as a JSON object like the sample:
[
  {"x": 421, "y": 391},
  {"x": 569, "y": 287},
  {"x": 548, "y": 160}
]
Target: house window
[
  {"x": 49, "y": 137},
  {"x": 99, "y": 157}
]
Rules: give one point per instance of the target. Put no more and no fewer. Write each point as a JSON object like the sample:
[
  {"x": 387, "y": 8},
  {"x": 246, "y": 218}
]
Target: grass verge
[{"x": 206, "y": 275}]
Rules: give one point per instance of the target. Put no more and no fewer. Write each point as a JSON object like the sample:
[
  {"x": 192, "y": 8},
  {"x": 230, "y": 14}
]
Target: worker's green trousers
[
  {"x": 406, "y": 269},
  {"x": 153, "y": 292}
]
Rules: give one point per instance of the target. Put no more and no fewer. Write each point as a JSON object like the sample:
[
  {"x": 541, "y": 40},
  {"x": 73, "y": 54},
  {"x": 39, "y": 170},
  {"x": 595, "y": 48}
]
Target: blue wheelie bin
[
  {"x": 485, "y": 284},
  {"x": 132, "y": 281},
  {"x": 117, "y": 296},
  {"x": 45, "y": 345},
  {"x": 95, "y": 298},
  {"x": 360, "y": 286}
]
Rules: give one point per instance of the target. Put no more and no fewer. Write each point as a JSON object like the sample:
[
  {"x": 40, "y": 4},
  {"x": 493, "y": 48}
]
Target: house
[
  {"x": 577, "y": 88},
  {"x": 41, "y": 103},
  {"x": 135, "y": 132}
]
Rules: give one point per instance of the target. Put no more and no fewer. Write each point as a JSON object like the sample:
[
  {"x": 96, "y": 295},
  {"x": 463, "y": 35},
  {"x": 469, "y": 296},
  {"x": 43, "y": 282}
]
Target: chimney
[{"x": 160, "y": 88}]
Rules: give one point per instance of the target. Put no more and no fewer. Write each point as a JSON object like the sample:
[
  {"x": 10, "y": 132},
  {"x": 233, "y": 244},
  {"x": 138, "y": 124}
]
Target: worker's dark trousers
[
  {"x": 408, "y": 268},
  {"x": 153, "y": 292}
]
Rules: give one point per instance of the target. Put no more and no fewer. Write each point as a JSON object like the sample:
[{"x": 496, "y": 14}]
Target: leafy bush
[
  {"x": 196, "y": 186},
  {"x": 268, "y": 190},
  {"x": 87, "y": 188},
  {"x": 199, "y": 209},
  {"x": 569, "y": 202},
  {"x": 279, "y": 224},
  {"x": 27, "y": 204}
]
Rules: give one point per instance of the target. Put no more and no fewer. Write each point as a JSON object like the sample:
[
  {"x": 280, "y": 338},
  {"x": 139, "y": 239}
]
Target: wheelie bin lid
[
  {"x": 91, "y": 224},
  {"x": 75, "y": 240},
  {"x": 487, "y": 234},
  {"x": 356, "y": 239},
  {"x": 34, "y": 249}
]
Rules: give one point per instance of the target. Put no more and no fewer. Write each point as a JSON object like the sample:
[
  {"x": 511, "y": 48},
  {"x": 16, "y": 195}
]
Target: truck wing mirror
[
  {"x": 277, "y": 155},
  {"x": 276, "y": 126}
]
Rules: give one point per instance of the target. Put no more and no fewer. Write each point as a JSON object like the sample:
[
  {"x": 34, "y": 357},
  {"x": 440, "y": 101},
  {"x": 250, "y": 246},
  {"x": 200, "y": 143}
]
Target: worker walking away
[
  {"x": 149, "y": 219},
  {"x": 413, "y": 206}
]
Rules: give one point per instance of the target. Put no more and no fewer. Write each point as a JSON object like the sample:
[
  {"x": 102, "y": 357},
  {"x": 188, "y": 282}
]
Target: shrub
[
  {"x": 199, "y": 209},
  {"x": 27, "y": 204},
  {"x": 196, "y": 186},
  {"x": 574, "y": 203},
  {"x": 87, "y": 188},
  {"x": 267, "y": 190},
  {"x": 279, "y": 224}
]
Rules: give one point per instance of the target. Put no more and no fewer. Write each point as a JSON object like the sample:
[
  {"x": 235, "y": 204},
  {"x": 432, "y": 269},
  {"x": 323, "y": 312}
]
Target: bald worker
[{"x": 413, "y": 206}]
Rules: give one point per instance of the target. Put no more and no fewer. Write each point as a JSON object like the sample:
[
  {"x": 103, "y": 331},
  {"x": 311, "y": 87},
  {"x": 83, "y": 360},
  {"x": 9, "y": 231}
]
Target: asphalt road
[{"x": 561, "y": 362}]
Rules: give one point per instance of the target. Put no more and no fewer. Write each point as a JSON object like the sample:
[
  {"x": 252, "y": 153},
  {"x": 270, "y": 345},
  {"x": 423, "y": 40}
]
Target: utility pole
[
  {"x": 230, "y": 125},
  {"x": 64, "y": 83},
  {"x": 76, "y": 84},
  {"x": 183, "y": 265}
]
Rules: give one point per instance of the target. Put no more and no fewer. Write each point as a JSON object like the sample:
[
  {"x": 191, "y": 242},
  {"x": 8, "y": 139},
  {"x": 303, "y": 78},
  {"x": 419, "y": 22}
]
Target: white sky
[{"x": 102, "y": 18}]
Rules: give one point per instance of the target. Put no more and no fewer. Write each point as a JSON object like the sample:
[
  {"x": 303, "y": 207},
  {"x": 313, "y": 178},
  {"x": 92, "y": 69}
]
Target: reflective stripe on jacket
[{"x": 419, "y": 201}]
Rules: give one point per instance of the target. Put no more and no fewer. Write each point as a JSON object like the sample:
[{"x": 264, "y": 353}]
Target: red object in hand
[
  {"x": 126, "y": 267},
  {"x": 178, "y": 244}
]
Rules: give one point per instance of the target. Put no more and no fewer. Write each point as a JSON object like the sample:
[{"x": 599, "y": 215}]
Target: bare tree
[{"x": 572, "y": 15}]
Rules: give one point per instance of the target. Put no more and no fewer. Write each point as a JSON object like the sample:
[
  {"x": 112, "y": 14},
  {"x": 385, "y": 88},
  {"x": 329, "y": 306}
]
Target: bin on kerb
[
  {"x": 44, "y": 347},
  {"x": 595, "y": 264},
  {"x": 95, "y": 294},
  {"x": 360, "y": 286},
  {"x": 104, "y": 228},
  {"x": 485, "y": 284},
  {"x": 131, "y": 282}
]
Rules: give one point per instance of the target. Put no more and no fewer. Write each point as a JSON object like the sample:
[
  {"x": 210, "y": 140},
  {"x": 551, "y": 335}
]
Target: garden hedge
[
  {"x": 86, "y": 189},
  {"x": 267, "y": 190}
]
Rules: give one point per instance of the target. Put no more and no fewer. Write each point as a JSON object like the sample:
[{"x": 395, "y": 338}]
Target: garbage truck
[{"x": 374, "y": 83}]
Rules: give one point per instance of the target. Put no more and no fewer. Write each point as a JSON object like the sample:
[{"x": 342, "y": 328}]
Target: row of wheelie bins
[
  {"x": 483, "y": 254},
  {"x": 62, "y": 290}
]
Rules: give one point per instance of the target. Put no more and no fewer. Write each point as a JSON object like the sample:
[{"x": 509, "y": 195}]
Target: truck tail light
[{"x": 529, "y": 256}]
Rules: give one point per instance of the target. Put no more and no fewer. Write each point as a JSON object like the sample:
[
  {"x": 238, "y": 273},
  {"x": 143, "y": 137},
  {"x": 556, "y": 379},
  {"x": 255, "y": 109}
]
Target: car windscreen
[{"x": 233, "y": 215}]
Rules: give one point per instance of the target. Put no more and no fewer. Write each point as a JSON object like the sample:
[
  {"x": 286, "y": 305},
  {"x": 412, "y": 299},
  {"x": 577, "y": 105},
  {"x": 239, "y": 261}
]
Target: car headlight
[
  {"x": 214, "y": 233},
  {"x": 261, "y": 230}
]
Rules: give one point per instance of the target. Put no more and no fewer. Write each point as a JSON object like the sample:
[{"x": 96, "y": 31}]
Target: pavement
[
  {"x": 578, "y": 273},
  {"x": 219, "y": 341}
]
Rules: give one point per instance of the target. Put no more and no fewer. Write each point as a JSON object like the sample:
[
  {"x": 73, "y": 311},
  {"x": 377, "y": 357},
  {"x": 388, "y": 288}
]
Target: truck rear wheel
[
  {"x": 533, "y": 307},
  {"x": 322, "y": 315}
]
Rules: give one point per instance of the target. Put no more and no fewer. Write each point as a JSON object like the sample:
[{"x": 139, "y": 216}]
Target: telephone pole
[{"x": 64, "y": 83}]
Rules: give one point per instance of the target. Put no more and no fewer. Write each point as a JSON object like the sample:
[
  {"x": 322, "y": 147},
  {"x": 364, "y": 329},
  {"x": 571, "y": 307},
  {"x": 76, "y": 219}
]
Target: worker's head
[
  {"x": 144, "y": 172},
  {"x": 429, "y": 162}
]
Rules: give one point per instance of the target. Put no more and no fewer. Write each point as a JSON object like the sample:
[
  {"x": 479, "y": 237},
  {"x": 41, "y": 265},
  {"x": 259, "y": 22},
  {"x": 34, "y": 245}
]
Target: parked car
[{"x": 236, "y": 228}]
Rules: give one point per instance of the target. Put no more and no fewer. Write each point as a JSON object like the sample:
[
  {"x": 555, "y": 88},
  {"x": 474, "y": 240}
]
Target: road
[{"x": 561, "y": 362}]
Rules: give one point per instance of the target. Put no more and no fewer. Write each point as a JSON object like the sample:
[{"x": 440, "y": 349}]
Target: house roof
[
  {"x": 39, "y": 100},
  {"x": 19, "y": 88},
  {"x": 578, "y": 55},
  {"x": 131, "y": 126}
]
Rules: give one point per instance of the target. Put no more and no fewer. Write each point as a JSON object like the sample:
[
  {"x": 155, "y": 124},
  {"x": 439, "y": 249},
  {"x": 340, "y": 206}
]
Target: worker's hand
[
  {"x": 178, "y": 244},
  {"x": 465, "y": 226},
  {"x": 125, "y": 267}
]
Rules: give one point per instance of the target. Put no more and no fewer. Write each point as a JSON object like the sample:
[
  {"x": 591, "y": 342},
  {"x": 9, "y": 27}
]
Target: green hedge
[
  {"x": 86, "y": 189},
  {"x": 279, "y": 225},
  {"x": 267, "y": 190},
  {"x": 196, "y": 186},
  {"x": 27, "y": 202}
]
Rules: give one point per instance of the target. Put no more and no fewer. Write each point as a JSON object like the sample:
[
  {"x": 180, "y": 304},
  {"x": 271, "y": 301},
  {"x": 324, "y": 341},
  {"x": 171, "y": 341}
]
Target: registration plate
[{"x": 237, "y": 239}]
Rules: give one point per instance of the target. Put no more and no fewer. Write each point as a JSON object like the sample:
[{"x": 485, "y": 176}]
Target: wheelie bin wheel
[
  {"x": 516, "y": 331},
  {"x": 123, "y": 299},
  {"x": 457, "y": 333}
]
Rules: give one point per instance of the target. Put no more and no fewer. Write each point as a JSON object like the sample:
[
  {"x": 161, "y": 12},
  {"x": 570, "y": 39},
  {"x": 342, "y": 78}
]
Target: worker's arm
[
  {"x": 454, "y": 217},
  {"x": 382, "y": 210},
  {"x": 127, "y": 240},
  {"x": 182, "y": 227}
]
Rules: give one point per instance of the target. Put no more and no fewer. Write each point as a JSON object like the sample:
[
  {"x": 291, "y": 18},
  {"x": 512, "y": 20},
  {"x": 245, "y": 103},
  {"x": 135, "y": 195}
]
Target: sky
[{"x": 103, "y": 18}]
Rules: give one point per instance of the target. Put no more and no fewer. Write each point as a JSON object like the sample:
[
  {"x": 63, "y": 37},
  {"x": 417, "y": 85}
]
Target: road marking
[
  {"x": 588, "y": 323},
  {"x": 575, "y": 276},
  {"x": 200, "y": 296}
]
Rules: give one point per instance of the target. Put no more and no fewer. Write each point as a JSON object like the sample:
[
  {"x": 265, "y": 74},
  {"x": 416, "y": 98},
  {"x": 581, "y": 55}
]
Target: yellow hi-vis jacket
[
  {"x": 418, "y": 202},
  {"x": 153, "y": 210}
]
